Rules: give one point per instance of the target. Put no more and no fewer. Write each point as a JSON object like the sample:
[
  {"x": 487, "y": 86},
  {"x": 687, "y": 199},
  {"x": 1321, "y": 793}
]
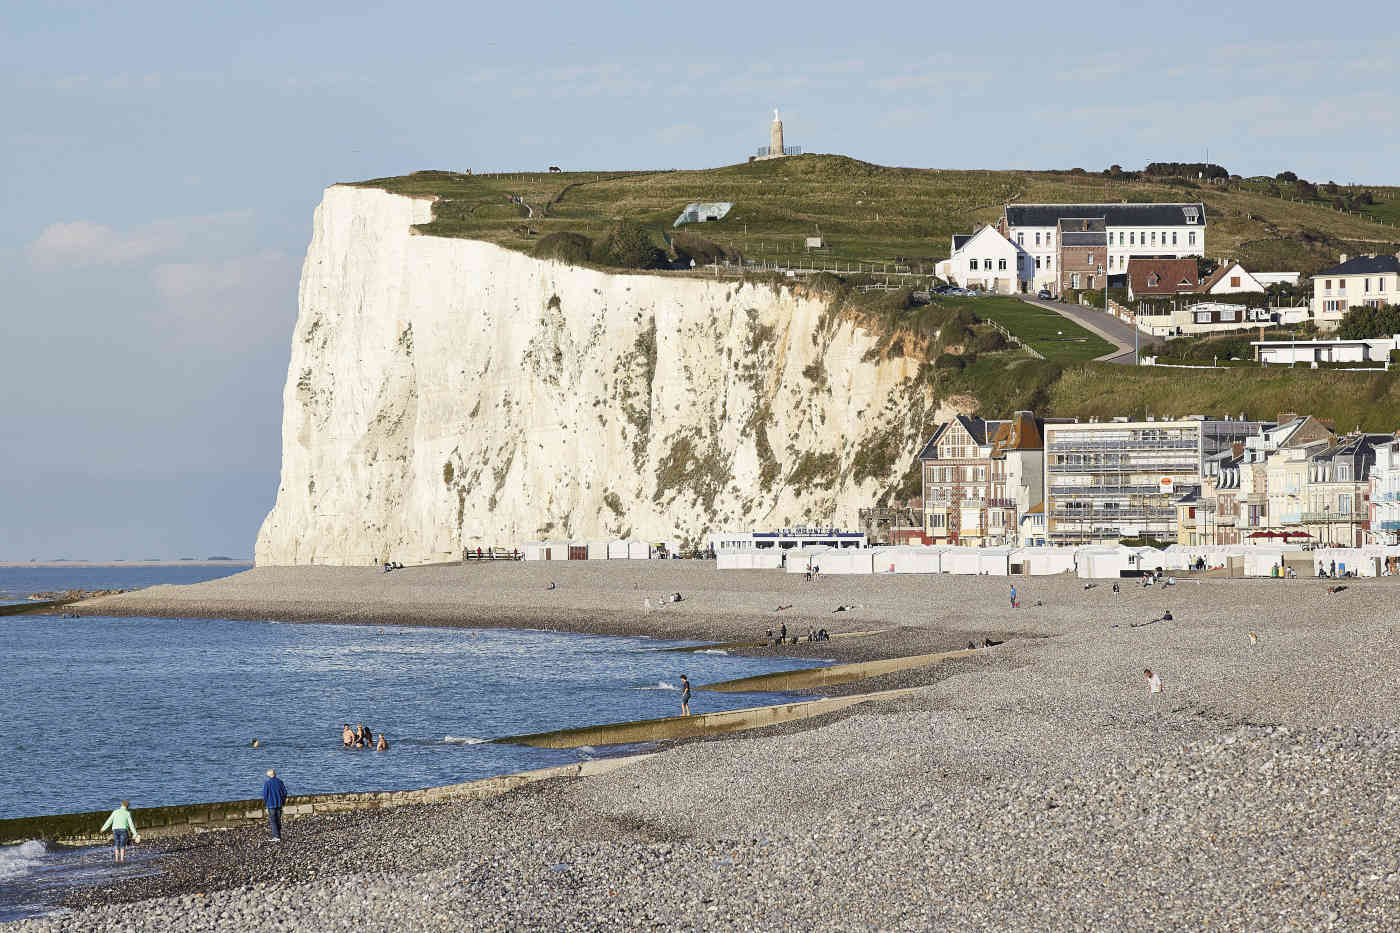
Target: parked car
[{"x": 1043, "y": 294}]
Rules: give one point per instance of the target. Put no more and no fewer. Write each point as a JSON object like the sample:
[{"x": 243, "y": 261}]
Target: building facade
[
  {"x": 1337, "y": 499},
  {"x": 980, "y": 477},
  {"x": 1082, "y": 253},
  {"x": 1385, "y": 493},
  {"x": 1356, "y": 280},
  {"x": 1148, "y": 231},
  {"x": 1107, "y": 480}
]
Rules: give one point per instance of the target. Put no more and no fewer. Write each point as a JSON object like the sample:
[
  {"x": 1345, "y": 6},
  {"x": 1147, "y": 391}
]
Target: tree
[
  {"x": 1289, "y": 177},
  {"x": 1204, "y": 267},
  {"x": 1363, "y": 321},
  {"x": 629, "y": 245}
]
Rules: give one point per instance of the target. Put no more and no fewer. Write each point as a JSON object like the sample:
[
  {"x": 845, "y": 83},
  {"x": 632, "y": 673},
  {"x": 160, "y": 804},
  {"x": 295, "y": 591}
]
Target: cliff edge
[{"x": 449, "y": 393}]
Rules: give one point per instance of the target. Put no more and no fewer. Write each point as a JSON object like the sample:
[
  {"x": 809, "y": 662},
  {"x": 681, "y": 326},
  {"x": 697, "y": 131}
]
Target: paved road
[{"x": 1106, "y": 326}]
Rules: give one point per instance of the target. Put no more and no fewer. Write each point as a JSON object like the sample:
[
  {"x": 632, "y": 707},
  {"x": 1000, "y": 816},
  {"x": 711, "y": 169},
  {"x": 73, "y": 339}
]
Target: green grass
[
  {"x": 868, "y": 213},
  {"x": 1053, "y": 336}
]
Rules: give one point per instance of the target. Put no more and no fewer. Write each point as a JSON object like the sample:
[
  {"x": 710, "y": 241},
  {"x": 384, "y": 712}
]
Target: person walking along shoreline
[
  {"x": 274, "y": 796},
  {"x": 685, "y": 695},
  {"x": 123, "y": 830}
]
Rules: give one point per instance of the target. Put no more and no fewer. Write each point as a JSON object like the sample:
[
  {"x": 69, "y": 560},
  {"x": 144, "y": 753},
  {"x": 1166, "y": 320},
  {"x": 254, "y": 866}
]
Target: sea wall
[{"x": 448, "y": 393}]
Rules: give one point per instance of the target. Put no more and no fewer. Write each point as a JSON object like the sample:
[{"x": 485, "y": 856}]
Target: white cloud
[
  {"x": 87, "y": 242},
  {"x": 196, "y": 288}
]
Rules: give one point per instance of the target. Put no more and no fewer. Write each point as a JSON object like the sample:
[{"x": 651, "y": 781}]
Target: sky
[{"x": 161, "y": 163}]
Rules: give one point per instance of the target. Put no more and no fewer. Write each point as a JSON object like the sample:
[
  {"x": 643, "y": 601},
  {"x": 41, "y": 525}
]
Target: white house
[
  {"x": 1276, "y": 278},
  {"x": 1359, "y": 280},
  {"x": 1232, "y": 277},
  {"x": 1146, "y": 231},
  {"x": 988, "y": 261},
  {"x": 1385, "y": 494},
  {"x": 1371, "y": 351}
]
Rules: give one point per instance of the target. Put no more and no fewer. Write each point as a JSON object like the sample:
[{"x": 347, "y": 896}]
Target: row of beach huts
[
  {"x": 1090, "y": 562},
  {"x": 599, "y": 550}
]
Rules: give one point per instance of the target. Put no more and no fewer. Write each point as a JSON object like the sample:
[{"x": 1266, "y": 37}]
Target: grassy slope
[
  {"x": 869, "y": 213},
  {"x": 1054, "y": 336}
]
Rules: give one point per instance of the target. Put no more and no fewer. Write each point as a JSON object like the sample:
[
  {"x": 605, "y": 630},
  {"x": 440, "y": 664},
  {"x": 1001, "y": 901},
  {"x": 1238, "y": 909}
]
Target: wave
[
  {"x": 462, "y": 740},
  {"x": 713, "y": 651},
  {"x": 659, "y": 685},
  {"x": 21, "y": 859}
]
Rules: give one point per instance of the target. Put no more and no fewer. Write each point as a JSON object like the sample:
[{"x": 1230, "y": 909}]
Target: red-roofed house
[{"x": 1161, "y": 278}]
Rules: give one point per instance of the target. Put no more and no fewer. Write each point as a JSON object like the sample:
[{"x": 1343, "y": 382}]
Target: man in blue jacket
[{"x": 274, "y": 796}]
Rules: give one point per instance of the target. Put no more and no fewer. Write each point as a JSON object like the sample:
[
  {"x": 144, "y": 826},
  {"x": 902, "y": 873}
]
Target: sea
[{"x": 165, "y": 711}]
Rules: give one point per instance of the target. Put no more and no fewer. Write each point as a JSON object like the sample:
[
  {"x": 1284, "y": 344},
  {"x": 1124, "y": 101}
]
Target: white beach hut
[
  {"x": 1044, "y": 561},
  {"x": 617, "y": 550},
  {"x": 994, "y": 561},
  {"x": 1101, "y": 562},
  {"x": 960, "y": 560},
  {"x": 638, "y": 550},
  {"x": 535, "y": 550},
  {"x": 799, "y": 559},
  {"x": 844, "y": 561},
  {"x": 597, "y": 550}
]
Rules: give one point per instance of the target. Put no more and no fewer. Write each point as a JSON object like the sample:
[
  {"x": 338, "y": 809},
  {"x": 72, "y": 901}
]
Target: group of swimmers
[{"x": 362, "y": 737}]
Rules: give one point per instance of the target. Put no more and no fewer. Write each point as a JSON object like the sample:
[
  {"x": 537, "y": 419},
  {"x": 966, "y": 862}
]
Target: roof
[
  {"x": 1116, "y": 215},
  {"x": 1083, "y": 239},
  {"x": 1020, "y": 433},
  {"x": 1223, "y": 270},
  {"x": 977, "y": 428},
  {"x": 1360, "y": 265},
  {"x": 1174, "y": 276},
  {"x": 960, "y": 240}
]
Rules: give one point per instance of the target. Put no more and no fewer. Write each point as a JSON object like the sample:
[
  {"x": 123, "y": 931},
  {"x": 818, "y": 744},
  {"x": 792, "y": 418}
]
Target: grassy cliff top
[{"x": 873, "y": 213}]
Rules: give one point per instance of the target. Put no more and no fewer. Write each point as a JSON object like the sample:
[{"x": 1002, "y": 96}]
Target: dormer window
[
  {"x": 1192, "y": 214},
  {"x": 1152, "y": 280}
]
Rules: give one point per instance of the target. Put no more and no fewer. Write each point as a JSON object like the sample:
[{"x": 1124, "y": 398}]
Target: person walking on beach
[
  {"x": 123, "y": 831},
  {"x": 274, "y": 796},
  {"x": 1154, "y": 686},
  {"x": 685, "y": 695},
  {"x": 1013, "y": 596}
]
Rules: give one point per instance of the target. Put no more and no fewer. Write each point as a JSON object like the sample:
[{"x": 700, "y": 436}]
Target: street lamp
[{"x": 1326, "y": 526}]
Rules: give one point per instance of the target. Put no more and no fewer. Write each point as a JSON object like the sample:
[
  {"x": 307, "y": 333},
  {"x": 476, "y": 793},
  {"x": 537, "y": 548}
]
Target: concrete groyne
[
  {"x": 812, "y": 677},
  {"x": 154, "y": 822},
  {"x": 690, "y": 727}
]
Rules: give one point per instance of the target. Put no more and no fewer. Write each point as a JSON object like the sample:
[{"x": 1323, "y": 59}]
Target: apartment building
[
  {"x": 980, "y": 477},
  {"x": 1357, "y": 280},
  {"x": 1115, "y": 479},
  {"x": 1385, "y": 493},
  {"x": 1337, "y": 497},
  {"x": 1290, "y": 432},
  {"x": 1147, "y": 231}
]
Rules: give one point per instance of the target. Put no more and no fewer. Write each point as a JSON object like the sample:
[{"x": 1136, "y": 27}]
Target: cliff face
[{"x": 447, "y": 393}]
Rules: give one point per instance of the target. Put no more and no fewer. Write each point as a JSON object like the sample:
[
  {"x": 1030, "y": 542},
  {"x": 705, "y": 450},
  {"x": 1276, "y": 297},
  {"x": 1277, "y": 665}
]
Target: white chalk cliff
[{"x": 448, "y": 393}]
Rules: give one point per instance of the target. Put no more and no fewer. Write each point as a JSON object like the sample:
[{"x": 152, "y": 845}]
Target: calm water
[
  {"x": 163, "y": 711},
  {"x": 16, "y": 583}
]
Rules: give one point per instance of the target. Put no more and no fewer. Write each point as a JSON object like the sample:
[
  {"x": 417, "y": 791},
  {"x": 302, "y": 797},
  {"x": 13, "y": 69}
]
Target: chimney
[
  {"x": 1286, "y": 416},
  {"x": 1344, "y": 258}
]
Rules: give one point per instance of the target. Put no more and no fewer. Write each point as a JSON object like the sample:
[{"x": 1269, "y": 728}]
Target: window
[
  {"x": 1001, "y": 265},
  {"x": 1049, "y": 262},
  {"x": 1191, "y": 237},
  {"x": 1132, "y": 239},
  {"x": 1037, "y": 262},
  {"x": 1234, "y": 281},
  {"x": 1120, "y": 237},
  {"x": 1367, "y": 287},
  {"x": 1037, "y": 238},
  {"x": 1344, "y": 505},
  {"x": 1152, "y": 280},
  {"x": 1342, "y": 285},
  {"x": 1173, "y": 238},
  {"x": 1089, "y": 258},
  {"x": 1327, "y": 284},
  {"x": 1154, "y": 237},
  {"x": 1020, "y": 239},
  {"x": 1049, "y": 239},
  {"x": 1192, "y": 214},
  {"x": 1227, "y": 314},
  {"x": 1074, "y": 280}
]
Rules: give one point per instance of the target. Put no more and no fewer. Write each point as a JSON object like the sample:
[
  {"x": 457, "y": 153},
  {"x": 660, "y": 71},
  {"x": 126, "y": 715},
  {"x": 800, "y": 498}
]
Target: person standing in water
[
  {"x": 383, "y": 746},
  {"x": 685, "y": 695},
  {"x": 123, "y": 831}
]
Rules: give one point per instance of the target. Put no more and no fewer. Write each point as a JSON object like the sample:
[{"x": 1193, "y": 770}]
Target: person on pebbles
[{"x": 274, "y": 796}]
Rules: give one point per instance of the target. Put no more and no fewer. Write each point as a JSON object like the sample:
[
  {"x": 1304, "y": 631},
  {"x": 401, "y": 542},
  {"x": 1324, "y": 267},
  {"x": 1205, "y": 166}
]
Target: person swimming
[
  {"x": 347, "y": 737},
  {"x": 383, "y": 746}
]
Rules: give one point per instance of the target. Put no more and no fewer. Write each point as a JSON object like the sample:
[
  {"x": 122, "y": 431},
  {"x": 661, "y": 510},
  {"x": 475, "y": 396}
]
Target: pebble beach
[{"x": 1033, "y": 785}]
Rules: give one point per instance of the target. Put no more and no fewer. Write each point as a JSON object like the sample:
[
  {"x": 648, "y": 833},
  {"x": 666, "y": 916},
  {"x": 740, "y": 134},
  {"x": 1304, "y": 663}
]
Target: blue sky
[{"x": 161, "y": 162}]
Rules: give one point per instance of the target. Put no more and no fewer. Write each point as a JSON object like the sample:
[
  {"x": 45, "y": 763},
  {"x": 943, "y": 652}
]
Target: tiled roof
[
  {"x": 1117, "y": 215},
  {"x": 1171, "y": 274},
  {"x": 1360, "y": 265}
]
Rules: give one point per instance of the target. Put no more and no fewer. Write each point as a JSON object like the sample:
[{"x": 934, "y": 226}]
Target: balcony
[
  {"x": 1328, "y": 518},
  {"x": 1291, "y": 518},
  {"x": 1390, "y": 525}
]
